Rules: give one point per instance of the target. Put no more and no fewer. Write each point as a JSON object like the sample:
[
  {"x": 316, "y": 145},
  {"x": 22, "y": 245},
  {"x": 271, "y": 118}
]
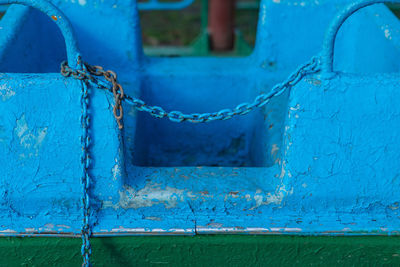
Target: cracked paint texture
[{"x": 320, "y": 159}]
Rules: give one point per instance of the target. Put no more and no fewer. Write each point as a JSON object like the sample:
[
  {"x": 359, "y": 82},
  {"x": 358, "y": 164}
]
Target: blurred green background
[{"x": 181, "y": 27}]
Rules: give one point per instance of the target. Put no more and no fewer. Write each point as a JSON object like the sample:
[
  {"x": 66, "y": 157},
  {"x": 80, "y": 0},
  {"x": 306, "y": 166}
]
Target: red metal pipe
[{"x": 221, "y": 24}]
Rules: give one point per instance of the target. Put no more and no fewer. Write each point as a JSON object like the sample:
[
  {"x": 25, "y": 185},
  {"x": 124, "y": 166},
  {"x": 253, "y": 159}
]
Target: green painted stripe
[{"x": 219, "y": 250}]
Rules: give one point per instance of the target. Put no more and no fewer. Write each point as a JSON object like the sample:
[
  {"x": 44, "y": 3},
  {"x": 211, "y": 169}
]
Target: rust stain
[
  {"x": 184, "y": 176},
  {"x": 314, "y": 81}
]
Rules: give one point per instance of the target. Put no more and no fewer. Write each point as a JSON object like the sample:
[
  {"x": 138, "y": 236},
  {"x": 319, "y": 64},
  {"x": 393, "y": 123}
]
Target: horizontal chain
[
  {"x": 176, "y": 116},
  {"x": 87, "y": 75}
]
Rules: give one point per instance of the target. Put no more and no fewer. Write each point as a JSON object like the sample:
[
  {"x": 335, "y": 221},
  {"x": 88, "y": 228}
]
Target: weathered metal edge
[{"x": 203, "y": 231}]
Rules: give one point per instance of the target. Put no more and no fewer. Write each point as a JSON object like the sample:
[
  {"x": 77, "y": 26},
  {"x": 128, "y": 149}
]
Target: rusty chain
[
  {"x": 109, "y": 75},
  {"x": 87, "y": 75},
  {"x": 312, "y": 66}
]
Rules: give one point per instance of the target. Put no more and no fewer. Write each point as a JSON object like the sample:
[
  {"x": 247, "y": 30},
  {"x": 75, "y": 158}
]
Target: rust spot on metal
[
  {"x": 184, "y": 177},
  {"x": 314, "y": 81}
]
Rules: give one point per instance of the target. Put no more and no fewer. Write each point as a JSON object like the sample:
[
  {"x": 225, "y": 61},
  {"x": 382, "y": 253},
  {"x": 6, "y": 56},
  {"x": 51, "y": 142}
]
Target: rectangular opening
[
  {"x": 252, "y": 140},
  {"x": 197, "y": 86}
]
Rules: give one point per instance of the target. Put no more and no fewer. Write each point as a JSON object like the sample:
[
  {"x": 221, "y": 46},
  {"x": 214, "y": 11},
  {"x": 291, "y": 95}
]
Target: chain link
[
  {"x": 87, "y": 75},
  {"x": 311, "y": 66},
  {"x": 85, "y": 180},
  {"x": 109, "y": 75},
  {"x": 86, "y": 249}
]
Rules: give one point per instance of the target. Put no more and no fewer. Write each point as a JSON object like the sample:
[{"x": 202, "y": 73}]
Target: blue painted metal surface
[
  {"x": 157, "y": 5},
  {"x": 322, "y": 158}
]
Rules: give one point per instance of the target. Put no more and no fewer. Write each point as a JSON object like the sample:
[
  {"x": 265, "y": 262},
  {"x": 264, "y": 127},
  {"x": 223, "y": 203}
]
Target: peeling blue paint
[{"x": 320, "y": 159}]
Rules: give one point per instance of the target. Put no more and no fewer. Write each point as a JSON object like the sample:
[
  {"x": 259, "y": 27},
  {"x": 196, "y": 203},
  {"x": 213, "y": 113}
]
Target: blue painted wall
[{"x": 321, "y": 158}]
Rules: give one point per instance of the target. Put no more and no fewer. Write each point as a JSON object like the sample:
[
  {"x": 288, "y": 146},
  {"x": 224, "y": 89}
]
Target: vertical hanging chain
[
  {"x": 86, "y": 249},
  {"x": 85, "y": 75}
]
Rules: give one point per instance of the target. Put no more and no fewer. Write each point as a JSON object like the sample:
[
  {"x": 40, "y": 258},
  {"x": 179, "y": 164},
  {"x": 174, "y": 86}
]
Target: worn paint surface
[
  {"x": 205, "y": 251},
  {"x": 158, "y": 5},
  {"x": 321, "y": 159}
]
